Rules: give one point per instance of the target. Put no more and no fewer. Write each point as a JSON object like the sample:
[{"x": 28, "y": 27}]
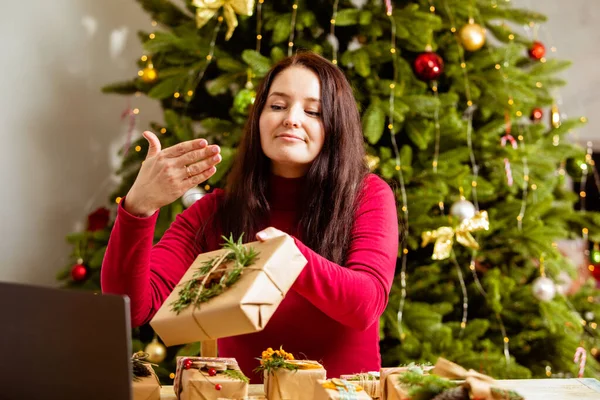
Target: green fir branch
[{"x": 192, "y": 291}]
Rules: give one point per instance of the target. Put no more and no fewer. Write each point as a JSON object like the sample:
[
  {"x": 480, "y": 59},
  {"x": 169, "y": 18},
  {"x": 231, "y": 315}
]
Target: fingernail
[
  {"x": 215, "y": 149},
  {"x": 217, "y": 158}
]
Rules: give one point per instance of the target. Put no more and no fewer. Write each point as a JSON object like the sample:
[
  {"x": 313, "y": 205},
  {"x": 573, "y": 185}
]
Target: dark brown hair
[{"x": 333, "y": 181}]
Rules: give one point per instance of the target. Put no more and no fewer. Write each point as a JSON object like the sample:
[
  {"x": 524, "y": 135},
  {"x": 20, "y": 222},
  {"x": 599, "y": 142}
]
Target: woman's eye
[
  {"x": 313, "y": 113},
  {"x": 276, "y": 107}
]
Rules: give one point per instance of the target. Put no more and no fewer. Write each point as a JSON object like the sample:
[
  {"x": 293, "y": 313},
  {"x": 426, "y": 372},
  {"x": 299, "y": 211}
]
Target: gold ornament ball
[
  {"x": 472, "y": 36},
  {"x": 157, "y": 352},
  {"x": 149, "y": 74}
]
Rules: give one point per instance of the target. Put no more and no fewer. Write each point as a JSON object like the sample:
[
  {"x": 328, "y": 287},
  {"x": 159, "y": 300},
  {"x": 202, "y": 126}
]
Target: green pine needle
[{"x": 238, "y": 255}]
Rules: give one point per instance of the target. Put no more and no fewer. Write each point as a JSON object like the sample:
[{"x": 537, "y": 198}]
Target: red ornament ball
[
  {"x": 218, "y": 386},
  {"x": 537, "y": 51},
  {"x": 429, "y": 66},
  {"x": 596, "y": 272},
  {"x": 187, "y": 363},
  {"x": 79, "y": 272},
  {"x": 212, "y": 372},
  {"x": 537, "y": 114}
]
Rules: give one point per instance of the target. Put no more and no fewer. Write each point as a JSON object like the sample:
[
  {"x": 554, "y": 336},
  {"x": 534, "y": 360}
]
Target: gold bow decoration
[
  {"x": 481, "y": 386},
  {"x": 444, "y": 236},
  {"x": 206, "y": 10}
]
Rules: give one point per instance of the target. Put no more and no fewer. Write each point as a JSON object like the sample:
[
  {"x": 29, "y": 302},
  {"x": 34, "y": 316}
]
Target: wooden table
[{"x": 531, "y": 389}]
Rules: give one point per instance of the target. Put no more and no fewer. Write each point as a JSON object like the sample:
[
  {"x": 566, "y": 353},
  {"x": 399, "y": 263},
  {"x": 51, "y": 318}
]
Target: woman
[{"x": 299, "y": 171}]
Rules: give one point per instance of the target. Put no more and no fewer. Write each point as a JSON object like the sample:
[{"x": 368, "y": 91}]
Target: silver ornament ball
[
  {"x": 191, "y": 196},
  {"x": 589, "y": 316},
  {"x": 544, "y": 289},
  {"x": 462, "y": 209}
]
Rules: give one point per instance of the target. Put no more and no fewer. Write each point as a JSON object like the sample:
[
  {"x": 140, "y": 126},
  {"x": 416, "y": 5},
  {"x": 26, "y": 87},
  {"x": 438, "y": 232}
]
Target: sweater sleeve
[
  {"x": 356, "y": 294},
  {"x": 147, "y": 273}
]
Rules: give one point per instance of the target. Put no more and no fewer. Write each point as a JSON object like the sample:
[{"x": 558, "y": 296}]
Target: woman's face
[{"x": 291, "y": 127}]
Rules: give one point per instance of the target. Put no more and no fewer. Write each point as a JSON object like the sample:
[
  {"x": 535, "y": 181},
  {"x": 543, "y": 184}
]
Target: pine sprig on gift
[
  {"x": 221, "y": 278},
  {"x": 272, "y": 360},
  {"x": 237, "y": 375},
  {"x": 425, "y": 387},
  {"x": 458, "y": 393},
  {"x": 498, "y": 393}
]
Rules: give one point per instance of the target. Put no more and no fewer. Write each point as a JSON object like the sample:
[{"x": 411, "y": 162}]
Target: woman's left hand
[{"x": 269, "y": 233}]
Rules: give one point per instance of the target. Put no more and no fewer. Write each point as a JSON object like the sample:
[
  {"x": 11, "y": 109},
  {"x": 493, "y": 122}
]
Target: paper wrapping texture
[
  {"x": 245, "y": 307},
  {"x": 197, "y": 385},
  {"x": 321, "y": 393},
  {"x": 192, "y": 384},
  {"x": 283, "y": 384},
  {"x": 370, "y": 383},
  {"x": 390, "y": 388},
  {"x": 147, "y": 388}
]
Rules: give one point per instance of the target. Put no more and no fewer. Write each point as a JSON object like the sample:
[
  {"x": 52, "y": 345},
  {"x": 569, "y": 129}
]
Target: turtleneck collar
[{"x": 286, "y": 193}]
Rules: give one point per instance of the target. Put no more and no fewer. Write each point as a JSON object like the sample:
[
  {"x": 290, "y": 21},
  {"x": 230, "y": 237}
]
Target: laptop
[{"x": 63, "y": 344}]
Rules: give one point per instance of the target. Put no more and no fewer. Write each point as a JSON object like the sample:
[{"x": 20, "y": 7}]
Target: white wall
[
  {"x": 573, "y": 27},
  {"x": 56, "y": 126},
  {"x": 58, "y": 132}
]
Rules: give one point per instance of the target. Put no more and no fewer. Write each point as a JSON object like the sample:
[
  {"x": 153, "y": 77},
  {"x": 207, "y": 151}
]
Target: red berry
[
  {"x": 218, "y": 386},
  {"x": 187, "y": 364},
  {"x": 212, "y": 372}
]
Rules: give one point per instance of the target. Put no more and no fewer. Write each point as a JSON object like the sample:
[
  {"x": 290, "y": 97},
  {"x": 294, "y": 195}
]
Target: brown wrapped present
[
  {"x": 390, "y": 387},
  {"x": 146, "y": 385},
  {"x": 209, "y": 378},
  {"x": 339, "y": 389},
  {"x": 369, "y": 381},
  {"x": 287, "y": 378},
  {"x": 229, "y": 292}
]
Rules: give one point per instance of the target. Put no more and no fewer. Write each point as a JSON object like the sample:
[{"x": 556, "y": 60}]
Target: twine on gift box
[
  {"x": 218, "y": 262},
  {"x": 200, "y": 362},
  {"x": 369, "y": 383}
]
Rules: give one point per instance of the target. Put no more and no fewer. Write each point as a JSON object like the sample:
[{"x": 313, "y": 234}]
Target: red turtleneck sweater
[{"x": 332, "y": 312}]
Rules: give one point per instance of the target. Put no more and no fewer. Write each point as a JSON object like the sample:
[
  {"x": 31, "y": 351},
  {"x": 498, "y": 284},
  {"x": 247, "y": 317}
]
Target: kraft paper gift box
[
  {"x": 369, "y": 381},
  {"x": 245, "y": 307},
  {"x": 209, "y": 379},
  {"x": 390, "y": 387},
  {"x": 298, "y": 384},
  {"x": 145, "y": 385},
  {"x": 338, "y": 389}
]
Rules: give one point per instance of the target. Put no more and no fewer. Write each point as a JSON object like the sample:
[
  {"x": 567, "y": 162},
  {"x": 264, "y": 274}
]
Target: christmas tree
[{"x": 452, "y": 98}]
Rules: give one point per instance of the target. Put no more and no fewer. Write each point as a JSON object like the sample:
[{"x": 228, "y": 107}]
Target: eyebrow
[{"x": 281, "y": 94}]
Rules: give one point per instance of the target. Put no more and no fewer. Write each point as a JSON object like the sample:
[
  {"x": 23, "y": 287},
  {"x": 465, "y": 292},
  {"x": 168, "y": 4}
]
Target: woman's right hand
[{"x": 167, "y": 174}]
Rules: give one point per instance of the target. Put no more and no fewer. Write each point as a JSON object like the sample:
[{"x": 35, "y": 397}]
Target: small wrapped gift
[
  {"x": 475, "y": 384},
  {"x": 287, "y": 378},
  {"x": 339, "y": 389},
  {"x": 229, "y": 292},
  {"x": 369, "y": 381},
  {"x": 209, "y": 378},
  {"x": 146, "y": 385},
  {"x": 390, "y": 386}
]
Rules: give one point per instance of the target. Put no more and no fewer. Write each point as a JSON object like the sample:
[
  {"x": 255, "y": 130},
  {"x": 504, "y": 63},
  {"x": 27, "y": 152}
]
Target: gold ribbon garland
[
  {"x": 444, "y": 236},
  {"x": 206, "y": 10}
]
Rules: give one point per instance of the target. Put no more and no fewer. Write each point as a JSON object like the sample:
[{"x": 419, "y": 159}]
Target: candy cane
[
  {"x": 388, "y": 6},
  {"x": 580, "y": 357},
  {"x": 507, "y": 168}
]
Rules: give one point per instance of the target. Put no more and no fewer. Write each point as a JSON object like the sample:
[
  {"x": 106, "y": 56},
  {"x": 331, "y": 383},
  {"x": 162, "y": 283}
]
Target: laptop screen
[{"x": 63, "y": 344}]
